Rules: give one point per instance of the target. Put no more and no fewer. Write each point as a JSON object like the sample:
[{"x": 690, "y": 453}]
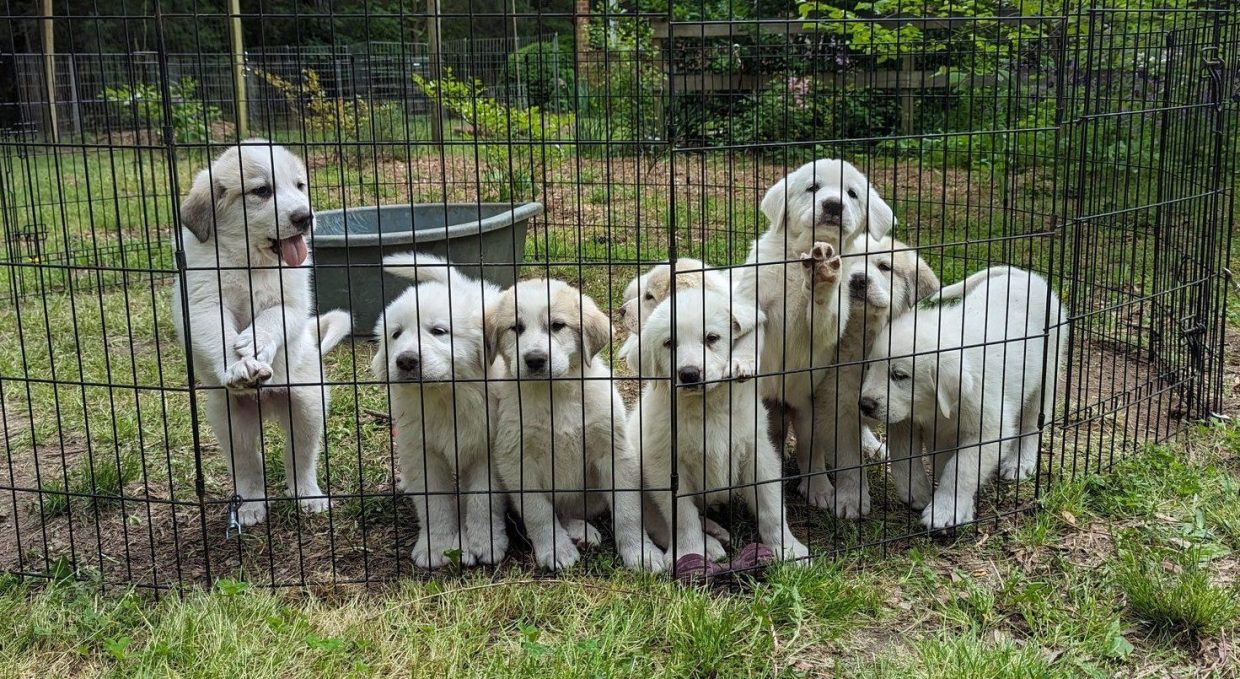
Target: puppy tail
[
  {"x": 419, "y": 266},
  {"x": 333, "y": 326},
  {"x": 964, "y": 287}
]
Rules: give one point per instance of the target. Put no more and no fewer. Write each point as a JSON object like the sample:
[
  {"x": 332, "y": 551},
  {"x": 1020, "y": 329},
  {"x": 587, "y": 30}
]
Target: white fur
[
  {"x": 888, "y": 278},
  {"x": 250, "y": 328},
  {"x": 971, "y": 376},
  {"x": 432, "y": 353},
  {"x": 560, "y": 446},
  {"x": 805, "y": 320},
  {"x": 721, "y": 443}
]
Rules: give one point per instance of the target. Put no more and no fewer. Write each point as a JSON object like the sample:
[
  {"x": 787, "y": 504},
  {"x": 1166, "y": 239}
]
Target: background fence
[{"x": 1092, "y": 142}]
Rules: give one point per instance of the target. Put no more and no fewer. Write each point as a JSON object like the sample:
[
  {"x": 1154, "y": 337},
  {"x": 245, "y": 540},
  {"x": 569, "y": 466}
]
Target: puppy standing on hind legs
[
  {"x": 246, "y": 291},
  {"x": 432, "y": 354}
]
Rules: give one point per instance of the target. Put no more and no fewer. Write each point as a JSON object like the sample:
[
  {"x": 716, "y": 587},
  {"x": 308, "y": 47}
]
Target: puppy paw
[
  {"x": 851, "y": 502},
  {"x": 716, "y": 531},
  {"x": 824, "y": 264},
  {"x": 743, "y": 368},
  {"x": 1012, "y": 469},
  {"x": 817, "y": 491},
  {"x": 246, "y": 374},
  {"x": 714, "y": 550},
  {"x": 581, "y": 532},
  {"x": 256, "y": 346},
  {"x": 946, "y": 512},
  {"x": 644, "y": 556},
  {"x": 792, "y": 550},
  {"x": 433, "y": 552},
  {"x": 251, "y": 512},
  {"x": 487, "y": 546},
  {"x": 561, "y": 554},
  {"x": 312, "y": 499}
]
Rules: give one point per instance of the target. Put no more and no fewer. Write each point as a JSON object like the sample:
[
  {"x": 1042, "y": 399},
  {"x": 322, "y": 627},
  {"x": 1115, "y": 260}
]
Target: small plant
[
  {"x": 545, "y": 69},
  {"x": 191, "y": 117},
  {"x": 1176, "y": 595},
  {"x": 320, "y": 113},
  {"x": 519, "y": 144}
]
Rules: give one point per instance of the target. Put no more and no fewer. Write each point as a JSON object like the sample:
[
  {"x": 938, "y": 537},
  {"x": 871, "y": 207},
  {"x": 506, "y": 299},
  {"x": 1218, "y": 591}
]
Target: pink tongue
[{"x": 293, "y": 250}]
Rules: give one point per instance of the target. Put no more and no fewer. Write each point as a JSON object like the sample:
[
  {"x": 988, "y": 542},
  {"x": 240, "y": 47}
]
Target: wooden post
[
  {"x": 907, "y": 99},
  {"x": 432, "y": 39},
  {"x": 49, "y": 69},
  {"x": 238, "y": 54}
]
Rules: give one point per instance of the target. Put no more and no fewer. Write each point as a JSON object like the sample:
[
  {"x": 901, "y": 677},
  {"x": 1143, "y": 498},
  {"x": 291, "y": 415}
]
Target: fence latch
[{"x": 234, "y": 506}]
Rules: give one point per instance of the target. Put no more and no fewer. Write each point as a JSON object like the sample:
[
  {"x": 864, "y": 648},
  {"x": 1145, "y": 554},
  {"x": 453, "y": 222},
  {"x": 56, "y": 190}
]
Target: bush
[
  {"x": 545, "y": 69},
  {"x": 805, "y": 109},
  {"x": 191, "y": 118}
]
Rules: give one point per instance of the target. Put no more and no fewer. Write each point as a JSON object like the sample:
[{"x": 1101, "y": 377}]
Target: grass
[{"x": 1102, "y": 582}]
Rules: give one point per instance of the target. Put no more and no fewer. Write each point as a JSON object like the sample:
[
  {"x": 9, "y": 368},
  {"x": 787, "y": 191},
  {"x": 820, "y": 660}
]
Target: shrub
[
  {"x": 191, "y": 117},
  {"x": 801, "y": 108},
  {"x": 520, "y": 142},
  {"x": 545, "y": 69},
  {"x": 320, "y": 113}
]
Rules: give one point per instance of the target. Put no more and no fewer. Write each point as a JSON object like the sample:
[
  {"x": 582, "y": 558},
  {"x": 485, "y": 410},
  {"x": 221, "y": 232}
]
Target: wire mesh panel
[{"x": 207, "y": 369}]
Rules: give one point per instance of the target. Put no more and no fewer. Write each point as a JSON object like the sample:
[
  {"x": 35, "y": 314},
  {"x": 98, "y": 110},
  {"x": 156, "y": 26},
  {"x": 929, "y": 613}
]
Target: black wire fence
[{"x": 795, "y": 399}]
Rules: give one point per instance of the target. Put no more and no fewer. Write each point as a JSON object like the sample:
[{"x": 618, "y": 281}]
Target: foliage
[
  {"x": 517, "y": 144},
  {"x": 625, "y": 92},
  {"x": 319, "y": 112},
  {"x": 545, "y": 69},
  {"x": 191, "y": 116}
]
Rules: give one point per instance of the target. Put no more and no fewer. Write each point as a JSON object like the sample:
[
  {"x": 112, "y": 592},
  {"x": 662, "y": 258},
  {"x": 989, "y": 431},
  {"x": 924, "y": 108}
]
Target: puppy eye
[
  {"x": 852, "y": 194},
  {"x": 263, "y": 192},
  {"x": 649, "y": 297},
  {"x": 884, "y": 266},
  {"x": 301, "y": 186},
  {"x": 813, "y": 188},
  {"x": 712, "y": 338},
  {"x": 557, "y": 326},
  {"x": 518, "y": 328},
  {"x": 396, "y": 333},
  {"x": 668, "y": 344},
  {"x": 898, "y": 376},
  {"x": 439, "y": 331}
]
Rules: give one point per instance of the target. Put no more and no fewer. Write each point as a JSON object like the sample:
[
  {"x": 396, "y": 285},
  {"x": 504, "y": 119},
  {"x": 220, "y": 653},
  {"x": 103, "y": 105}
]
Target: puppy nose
[
  {"x": 833, "y": 207},
  {"x": 690, "y": 375},
  {"x": 867, "y": 405},
  {"x": 301, "y": 218},
  {"x": 858, "y": 283},
  {"x": 535, "y": 361},
  {"x": 408, "y": 362}
]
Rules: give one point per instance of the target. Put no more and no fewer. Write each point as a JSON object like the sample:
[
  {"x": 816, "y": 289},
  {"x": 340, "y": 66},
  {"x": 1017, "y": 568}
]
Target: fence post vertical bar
[
  {"x": 238, "y": 65},
  {"x": 433, "y": 45},
  {"x": 49, "y": 69}
]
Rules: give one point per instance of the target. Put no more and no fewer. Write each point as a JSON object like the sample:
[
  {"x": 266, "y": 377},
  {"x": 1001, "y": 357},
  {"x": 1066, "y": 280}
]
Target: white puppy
[
  {"x": 560, "y": 447},
  {"x": 721, "y": 441},
  {"x": 433, "y": 355},
  {"x": 976, "y": 376},
  {"x": 888, "y": 278},
  {"x": 246, "y": 296},
  {"x": 817, "y": 212}
]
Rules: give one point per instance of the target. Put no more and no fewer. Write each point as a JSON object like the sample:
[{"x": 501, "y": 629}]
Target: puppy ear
[
  {"x": 198, "y": 208},
  {"x": 490, "y": 332},
  {"x": 629, "y": 312},
  {"x": 775, "y": 202},
  {"x": 953, "y": 380},
  {"x": 745, "y": 319},
  {"x": 595, "y": 328},
  {"x": 926, "y": 283},
  {"x": 879, "y": 217}
]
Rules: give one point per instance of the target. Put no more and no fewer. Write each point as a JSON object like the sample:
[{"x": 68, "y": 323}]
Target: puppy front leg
[
  {"x": 765, "y": 499},
  {"x": 485, "y": 535},
  {"x": 553, "y": 547},
  {"x": 908, "y": 469},
  {"x": 688, "y": 535},
  {"x": 430, "y": 481},
  {"x": 963, "y": 474},
  {"x": 634, "y": 545},
  {"x": 213, "y": 335},
  {"x": 270, "y": 330}
]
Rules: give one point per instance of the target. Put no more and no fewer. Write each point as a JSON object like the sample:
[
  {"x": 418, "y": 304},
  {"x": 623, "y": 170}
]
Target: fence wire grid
[{"x": 186, "y": 195}]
